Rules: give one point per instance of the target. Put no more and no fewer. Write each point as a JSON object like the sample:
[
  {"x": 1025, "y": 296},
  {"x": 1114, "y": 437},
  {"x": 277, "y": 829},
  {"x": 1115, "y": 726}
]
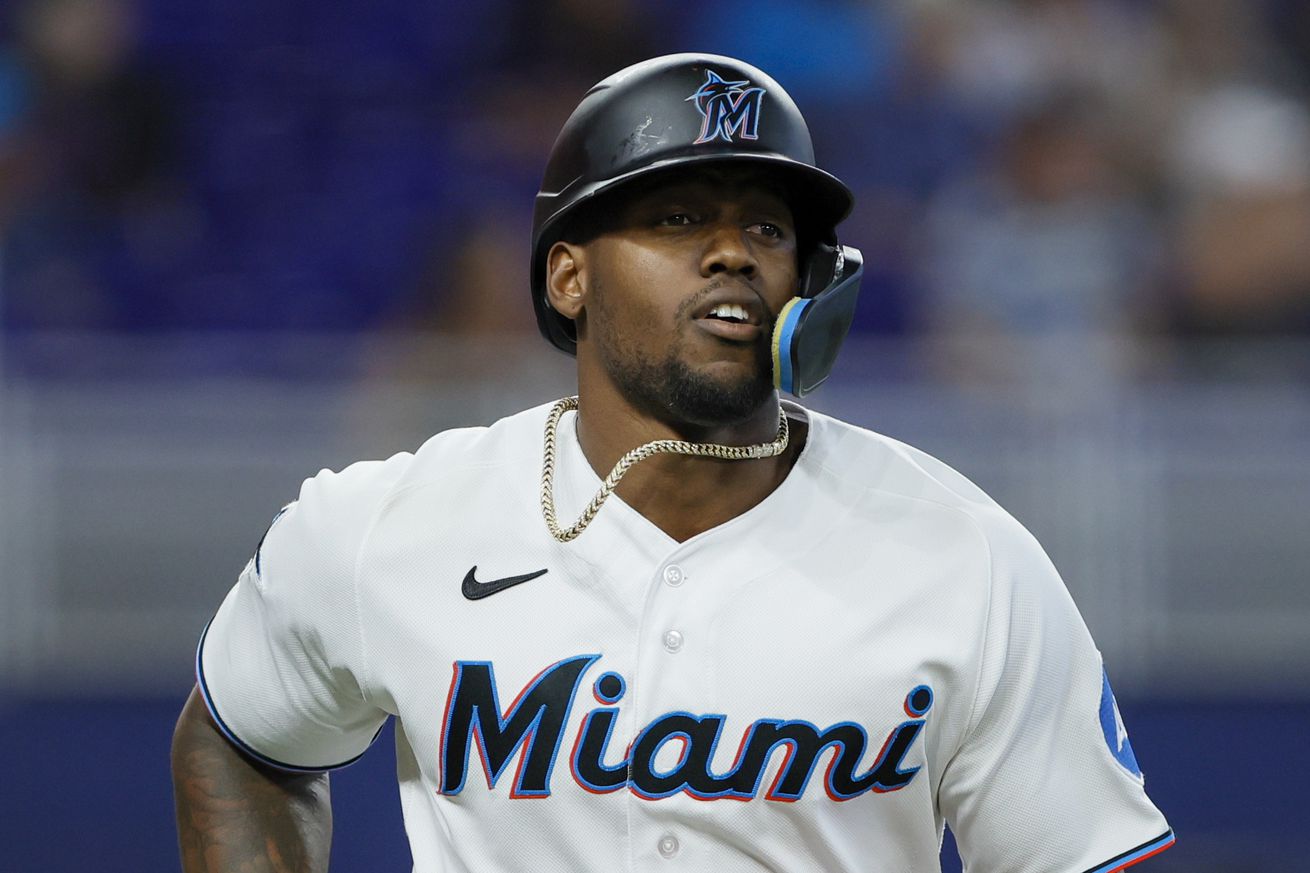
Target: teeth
[{"x": 734, "y": 311}]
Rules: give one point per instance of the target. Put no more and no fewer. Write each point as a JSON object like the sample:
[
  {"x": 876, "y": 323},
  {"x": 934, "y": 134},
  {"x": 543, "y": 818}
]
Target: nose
[{"x": 727, "y": 250}]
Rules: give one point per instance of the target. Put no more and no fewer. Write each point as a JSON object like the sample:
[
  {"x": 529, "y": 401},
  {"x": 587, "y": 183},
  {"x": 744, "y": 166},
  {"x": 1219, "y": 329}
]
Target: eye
[
  {"x": 677, "y": 219},
  {"x": 769, "y": 229}
]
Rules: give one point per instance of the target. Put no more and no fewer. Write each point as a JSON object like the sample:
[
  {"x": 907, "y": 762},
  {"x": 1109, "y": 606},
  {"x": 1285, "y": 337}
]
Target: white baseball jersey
[{"x": 819, "y": 684}]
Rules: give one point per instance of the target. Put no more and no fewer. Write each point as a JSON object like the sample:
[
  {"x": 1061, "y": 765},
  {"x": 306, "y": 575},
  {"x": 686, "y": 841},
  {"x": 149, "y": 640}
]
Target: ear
[{"x": 566, "y": 278}]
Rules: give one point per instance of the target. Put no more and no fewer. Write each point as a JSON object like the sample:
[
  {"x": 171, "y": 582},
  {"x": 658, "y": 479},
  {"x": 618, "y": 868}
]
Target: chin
[
  {"x": 709, "y": 399},
  {"x": 706, "y": 394}
]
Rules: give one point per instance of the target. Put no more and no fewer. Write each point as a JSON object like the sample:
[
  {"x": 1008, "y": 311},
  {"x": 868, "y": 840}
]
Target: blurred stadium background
[{"x": 243, "y": 240}]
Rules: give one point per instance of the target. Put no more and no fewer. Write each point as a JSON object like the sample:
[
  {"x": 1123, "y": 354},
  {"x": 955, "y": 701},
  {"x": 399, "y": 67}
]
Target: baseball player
[{"x": 674, "y": 622}]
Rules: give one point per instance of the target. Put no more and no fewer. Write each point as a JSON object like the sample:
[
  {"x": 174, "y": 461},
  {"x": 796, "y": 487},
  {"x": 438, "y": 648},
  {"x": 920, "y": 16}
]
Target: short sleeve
[
  {"x": 1045, "y": 779},
  {"x": 283, "y": 665}
]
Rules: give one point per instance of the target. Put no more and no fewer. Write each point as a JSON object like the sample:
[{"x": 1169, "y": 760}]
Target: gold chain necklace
[{"x": 641, "y": 453}]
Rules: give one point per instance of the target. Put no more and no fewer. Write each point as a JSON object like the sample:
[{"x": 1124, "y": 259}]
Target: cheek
[
  {"x": 784, "y": 279},
  {"x": 634, "y": 288}
]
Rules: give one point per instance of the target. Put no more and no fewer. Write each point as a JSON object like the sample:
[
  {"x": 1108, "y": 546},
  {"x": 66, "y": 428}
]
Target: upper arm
[
  {"x": 283, "y": 667},
  {"x": 234, "y": 813},
  {"x": 200, "y": 750},
  {"x": 1044, "y": 780}
]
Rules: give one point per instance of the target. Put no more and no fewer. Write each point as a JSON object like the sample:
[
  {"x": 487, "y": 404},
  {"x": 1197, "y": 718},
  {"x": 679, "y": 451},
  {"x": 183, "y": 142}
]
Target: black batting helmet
[{"x": 677, "y": 111}]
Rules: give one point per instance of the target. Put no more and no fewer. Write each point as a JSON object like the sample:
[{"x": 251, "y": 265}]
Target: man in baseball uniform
[{"x": 674, "y": 622}]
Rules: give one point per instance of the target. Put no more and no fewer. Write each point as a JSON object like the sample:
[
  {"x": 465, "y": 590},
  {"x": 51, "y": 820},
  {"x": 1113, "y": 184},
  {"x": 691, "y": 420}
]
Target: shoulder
[
  {"x": 872, "y": 461},
  {"x": 335, "y": 510},
  {"x": 365, "y": 485},
  {"x": 876, "y": 468},
  {"x": 512, "y": 439}
]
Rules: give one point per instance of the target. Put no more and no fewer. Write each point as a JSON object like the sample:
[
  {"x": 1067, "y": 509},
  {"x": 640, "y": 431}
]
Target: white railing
[{"x": 137, "y": 475}]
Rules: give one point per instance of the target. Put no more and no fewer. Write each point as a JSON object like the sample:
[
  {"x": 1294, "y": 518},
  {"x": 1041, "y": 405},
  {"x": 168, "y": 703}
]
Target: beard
[{"x": 668, "y": 388}]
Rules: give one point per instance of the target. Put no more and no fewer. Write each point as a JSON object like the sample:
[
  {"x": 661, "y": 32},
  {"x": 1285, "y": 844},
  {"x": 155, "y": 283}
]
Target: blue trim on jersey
[
  {"x": 1132, "y": 856},
  {"x": 244, "y": 747},
  {"x": 260, "y": 548}
]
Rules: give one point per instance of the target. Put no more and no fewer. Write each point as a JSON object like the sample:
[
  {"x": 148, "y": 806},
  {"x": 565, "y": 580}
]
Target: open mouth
[
  {"x": 733, "y": 322},
  {"x": 732, "y": 313}
]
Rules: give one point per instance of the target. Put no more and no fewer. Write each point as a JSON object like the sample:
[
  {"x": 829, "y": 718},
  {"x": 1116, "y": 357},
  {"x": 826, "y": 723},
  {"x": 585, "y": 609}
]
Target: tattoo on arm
[{"x": 238, "y": 816}]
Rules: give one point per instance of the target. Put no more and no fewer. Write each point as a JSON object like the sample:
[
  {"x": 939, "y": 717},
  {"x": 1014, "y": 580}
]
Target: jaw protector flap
[{"x": 810, "y": 328}]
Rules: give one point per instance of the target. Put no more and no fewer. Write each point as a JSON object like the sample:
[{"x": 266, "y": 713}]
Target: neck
[{"x": 684, "y": 495}]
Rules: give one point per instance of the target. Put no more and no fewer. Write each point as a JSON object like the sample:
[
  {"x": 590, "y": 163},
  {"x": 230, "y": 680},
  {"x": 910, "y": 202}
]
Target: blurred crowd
[{"x": 1046, "y": 169}]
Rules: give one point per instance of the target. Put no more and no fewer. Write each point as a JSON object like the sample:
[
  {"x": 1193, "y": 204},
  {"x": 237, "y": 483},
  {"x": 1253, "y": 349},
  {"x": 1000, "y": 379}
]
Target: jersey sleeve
[
  {"x": 1045, "y": 778},
  {"x": 283, "y": 664}
]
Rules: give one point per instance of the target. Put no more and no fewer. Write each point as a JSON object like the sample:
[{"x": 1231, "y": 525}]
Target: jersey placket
[{"x": 671, "y": 667}]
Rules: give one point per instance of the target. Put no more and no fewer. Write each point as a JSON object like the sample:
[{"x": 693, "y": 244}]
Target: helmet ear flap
[
  {"x": 811, "y": 327},
  {"x": 823, "y": 264}
]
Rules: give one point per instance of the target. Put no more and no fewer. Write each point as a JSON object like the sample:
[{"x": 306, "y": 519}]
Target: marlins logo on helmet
[{"x": 728, "y": 107}]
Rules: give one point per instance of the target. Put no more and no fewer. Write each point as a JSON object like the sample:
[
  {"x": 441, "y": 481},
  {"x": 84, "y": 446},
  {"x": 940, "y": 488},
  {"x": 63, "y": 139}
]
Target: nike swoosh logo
[{"x": 475, "y": 590}]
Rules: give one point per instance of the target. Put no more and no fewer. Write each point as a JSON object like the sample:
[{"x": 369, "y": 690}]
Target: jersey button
[
  {"x": 673, "y": 575},
  {"x": 668, "y": 845},
  {"x": 673, "y": 641}
]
